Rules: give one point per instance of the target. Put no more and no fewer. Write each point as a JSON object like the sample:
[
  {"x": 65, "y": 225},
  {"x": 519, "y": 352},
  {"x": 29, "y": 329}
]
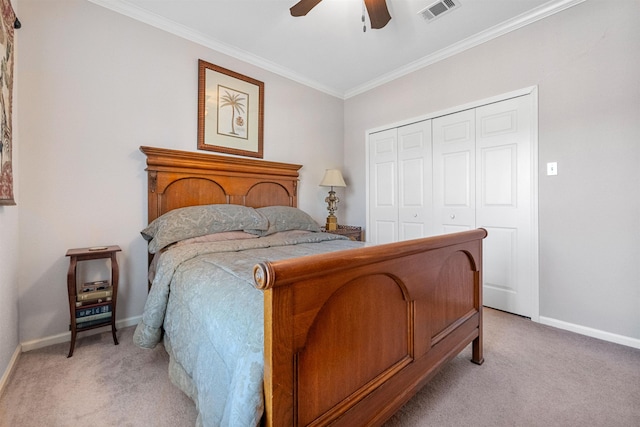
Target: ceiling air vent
[{"x": 438, "y": 9}]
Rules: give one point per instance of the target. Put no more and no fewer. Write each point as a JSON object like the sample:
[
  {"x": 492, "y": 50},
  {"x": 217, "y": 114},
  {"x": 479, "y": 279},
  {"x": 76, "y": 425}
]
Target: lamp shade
[{"x": 332, "y": 178}]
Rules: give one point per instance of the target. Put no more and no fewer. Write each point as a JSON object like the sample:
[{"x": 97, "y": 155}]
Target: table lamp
[{"x": 332, "y": 178}]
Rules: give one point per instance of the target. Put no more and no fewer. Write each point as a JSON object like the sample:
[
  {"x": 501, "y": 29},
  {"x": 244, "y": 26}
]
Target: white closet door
[
  {"x": 454, "y": 158},
  {"x": 414, "y": 181},
  {"x": 383, "y": 187},
  {"x": 483, "y": 178},
  {"x": 504, "y": 203},
  {"x": 483, "y": 173}
]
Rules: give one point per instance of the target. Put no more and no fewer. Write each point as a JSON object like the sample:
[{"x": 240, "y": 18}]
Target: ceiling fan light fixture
[
  {"x": 303, "y": 7},
  {"x": 378, "y": 13},
  {"x": 377, "y": 9}
]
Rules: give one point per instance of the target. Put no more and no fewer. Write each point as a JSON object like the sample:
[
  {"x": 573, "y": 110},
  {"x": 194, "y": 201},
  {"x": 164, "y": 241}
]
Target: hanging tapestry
[{"x": 6, "y": 100}]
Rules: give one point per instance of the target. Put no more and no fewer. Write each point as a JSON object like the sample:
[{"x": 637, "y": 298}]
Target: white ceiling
[{"x": 327, "y": 49}]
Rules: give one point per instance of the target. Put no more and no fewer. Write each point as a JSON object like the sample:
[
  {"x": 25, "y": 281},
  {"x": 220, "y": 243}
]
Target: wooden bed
[{"x": 350, "y": 336}]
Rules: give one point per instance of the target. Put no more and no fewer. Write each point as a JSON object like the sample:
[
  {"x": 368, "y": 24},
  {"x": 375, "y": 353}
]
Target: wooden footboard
[{"x": 351, "y": 336}]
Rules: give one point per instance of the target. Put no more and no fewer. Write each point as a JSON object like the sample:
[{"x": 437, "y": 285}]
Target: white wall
[
  {"x": 94, "y": 86},
  {"x": 8, "y": 284},
  {"x": 585, "y": 63}
]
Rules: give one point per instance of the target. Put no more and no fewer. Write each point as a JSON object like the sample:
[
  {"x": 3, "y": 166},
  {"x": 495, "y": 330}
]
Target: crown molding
[
  {"x": 162, "y": 23},
  {"x": 520, "y": 21},
  {"x": 124, "y": 8}
]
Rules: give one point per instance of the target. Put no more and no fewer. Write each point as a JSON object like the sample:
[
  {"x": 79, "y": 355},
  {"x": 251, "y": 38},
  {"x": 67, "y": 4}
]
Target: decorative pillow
[
  {"x": 284, "y": 218},
  {"x": 195, "y": 221}
]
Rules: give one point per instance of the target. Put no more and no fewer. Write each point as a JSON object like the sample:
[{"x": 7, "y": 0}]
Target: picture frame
[
  {"x": 230, "y": 111},
  {"x": 8, "y": 22}
]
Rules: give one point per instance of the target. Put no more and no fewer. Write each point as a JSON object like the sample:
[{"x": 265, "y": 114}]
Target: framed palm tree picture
[{"x": 230, "y": 111}]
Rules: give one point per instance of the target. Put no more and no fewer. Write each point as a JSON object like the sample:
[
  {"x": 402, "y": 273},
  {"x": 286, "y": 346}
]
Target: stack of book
[
  {"x": 91, "y": 293},
  {"x": 94, "y": 293},
  {"x": 93, "y": 316}
]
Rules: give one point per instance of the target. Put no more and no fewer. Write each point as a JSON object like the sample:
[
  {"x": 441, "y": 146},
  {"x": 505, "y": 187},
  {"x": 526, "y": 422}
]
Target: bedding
[
  {"x": 215, "y": 237},
  {"x": 204, "y": 298}
]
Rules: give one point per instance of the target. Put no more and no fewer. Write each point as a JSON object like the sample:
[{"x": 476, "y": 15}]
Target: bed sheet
[{"x": 204, "y": 298}]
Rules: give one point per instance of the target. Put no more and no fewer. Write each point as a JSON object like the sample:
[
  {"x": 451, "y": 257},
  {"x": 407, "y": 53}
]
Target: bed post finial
[{"x": 261, "y": 275}]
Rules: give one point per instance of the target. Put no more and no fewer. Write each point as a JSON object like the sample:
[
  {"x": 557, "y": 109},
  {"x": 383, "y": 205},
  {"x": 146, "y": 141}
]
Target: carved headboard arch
[{"x": 180, "y": 178}]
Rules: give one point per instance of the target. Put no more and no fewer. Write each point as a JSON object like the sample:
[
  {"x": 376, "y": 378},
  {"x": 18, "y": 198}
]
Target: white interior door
[
  {"x": 504, "y": 203},
  {"x": 414, "y": 181},
  {"x": 383, "y": 185},
  {"x": 483, "y": 177},
  {"x": 454, "y": 160}
]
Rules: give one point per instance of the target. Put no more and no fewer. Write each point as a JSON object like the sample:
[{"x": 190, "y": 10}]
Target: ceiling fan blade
[
  {"x": 303, "y": 7},
  {"x": 378, "y": 13}
]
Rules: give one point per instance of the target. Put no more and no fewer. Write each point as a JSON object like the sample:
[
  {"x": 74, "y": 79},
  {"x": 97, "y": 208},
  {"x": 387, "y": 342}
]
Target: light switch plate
[{"x": 552, "y": 168}]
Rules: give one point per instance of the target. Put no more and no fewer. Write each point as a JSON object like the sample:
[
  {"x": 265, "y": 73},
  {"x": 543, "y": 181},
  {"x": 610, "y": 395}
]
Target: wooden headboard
[{"x": 178, "y": 179}]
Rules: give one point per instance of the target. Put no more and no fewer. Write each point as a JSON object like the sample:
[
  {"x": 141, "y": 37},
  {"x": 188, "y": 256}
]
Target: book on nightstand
[
  {"x": 98, "y": 316},
  {"x": 92, "y": 302},
  {"x": 102, "y": 321},
  {"x": 84, "y": 312},
  {"x": 98, "y": 285},
  {"x": 95, "y": 295}
]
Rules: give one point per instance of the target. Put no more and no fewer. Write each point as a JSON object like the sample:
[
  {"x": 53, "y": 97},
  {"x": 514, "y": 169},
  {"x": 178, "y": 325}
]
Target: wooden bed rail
[
  {"x": 350, "y": 336},
  {"x": 294, "y": 269}
]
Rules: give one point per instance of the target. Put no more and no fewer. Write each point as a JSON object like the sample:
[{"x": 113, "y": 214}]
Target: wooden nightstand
[
  {"x": 94, "y": 305},
  {"x": 351, "y": 231}
]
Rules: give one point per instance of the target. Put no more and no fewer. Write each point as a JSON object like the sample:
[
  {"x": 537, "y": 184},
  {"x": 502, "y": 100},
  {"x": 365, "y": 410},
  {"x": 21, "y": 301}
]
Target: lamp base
[{"x": 332, "y": 223}]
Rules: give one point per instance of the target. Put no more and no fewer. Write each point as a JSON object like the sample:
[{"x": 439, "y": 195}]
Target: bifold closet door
[
  {"x": 415, "y": 178},
  {"x": 454, "y": 172},
  {"x": 383, "y": 187},
  {"x": 504, "y": 192},
  {"x": 483, "y": 178},
  {"x": 400, "y": 183}
]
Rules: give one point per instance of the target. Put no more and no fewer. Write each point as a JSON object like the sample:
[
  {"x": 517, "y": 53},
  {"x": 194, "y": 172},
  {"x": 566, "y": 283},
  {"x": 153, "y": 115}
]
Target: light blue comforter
[{"x": 204, "y": 298}]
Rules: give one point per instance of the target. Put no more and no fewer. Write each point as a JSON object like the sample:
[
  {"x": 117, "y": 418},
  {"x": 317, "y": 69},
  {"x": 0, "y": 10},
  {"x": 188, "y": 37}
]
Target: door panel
[
  {"x": 383, "y": 184},
  {"x": 498, "y": 257},
  {"x": 454, "y": 172},
  {"x": 456, "y": 167},
  {"x": 498, "y": 167},
  {"x": 482, "y": 178},
  {"x": 385, "y": 231},
  {"x": 415, "y": 175},
  {"x": 504, "y": 194}
]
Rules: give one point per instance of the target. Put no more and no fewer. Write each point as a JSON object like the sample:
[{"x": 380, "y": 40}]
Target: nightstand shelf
[
  {"x": 350, "y": 231},
  {"x": 94, "y": 306}
]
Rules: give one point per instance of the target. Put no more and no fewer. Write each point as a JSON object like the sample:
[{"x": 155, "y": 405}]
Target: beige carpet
[
  {"x": 101, "y": 385},
  {"x": 533, "y": 375}
]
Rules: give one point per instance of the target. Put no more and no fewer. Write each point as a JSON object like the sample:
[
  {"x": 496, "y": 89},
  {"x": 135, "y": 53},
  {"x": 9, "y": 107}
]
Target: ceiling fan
[{"x": 377, "y": 9}]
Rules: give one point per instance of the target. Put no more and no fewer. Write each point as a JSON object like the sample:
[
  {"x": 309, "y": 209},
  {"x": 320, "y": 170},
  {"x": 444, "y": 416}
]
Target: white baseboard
[
  {"x": 66, "y": 337},
  {"x": 590, "y": 332},
  {"x": 9, "y": 371}
]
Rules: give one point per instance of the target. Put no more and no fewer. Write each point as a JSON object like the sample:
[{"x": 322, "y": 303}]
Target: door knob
[{"x": 453, "y": 216}]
